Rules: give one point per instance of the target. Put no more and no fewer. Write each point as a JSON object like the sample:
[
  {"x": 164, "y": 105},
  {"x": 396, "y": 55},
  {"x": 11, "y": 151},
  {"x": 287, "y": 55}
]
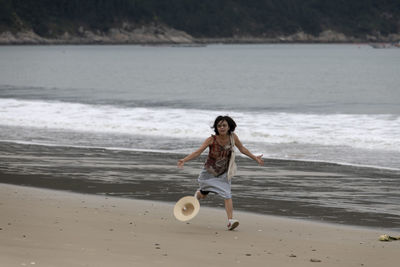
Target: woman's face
[{"x": 223, "y": 127}]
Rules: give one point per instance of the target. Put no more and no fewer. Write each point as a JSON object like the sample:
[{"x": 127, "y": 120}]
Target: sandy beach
[{"x": 41, "y": 227}]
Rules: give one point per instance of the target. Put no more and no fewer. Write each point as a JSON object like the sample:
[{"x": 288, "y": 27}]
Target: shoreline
[
  {"x": 306, "y": 190},
  {"x": 373, "y": 44},
  {"x": 162, "y": 35},
  {"x": 52, "y": 228},
  {"x": 288, "y": 160}
]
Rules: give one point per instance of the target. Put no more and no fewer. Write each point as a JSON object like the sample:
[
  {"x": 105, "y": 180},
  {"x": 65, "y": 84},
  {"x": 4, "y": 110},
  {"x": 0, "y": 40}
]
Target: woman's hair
[{"x": 229, "y": 120}]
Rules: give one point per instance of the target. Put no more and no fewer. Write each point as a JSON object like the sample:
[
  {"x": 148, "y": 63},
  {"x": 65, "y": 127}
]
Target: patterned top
[{"x": 218, "y": 157}]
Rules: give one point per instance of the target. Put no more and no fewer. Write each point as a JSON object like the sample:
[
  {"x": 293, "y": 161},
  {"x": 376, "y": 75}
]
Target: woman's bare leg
[{"x": 229, "y": 208}]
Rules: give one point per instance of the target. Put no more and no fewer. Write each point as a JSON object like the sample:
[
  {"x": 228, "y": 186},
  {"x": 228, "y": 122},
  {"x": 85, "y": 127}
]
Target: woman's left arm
[{"x": 245, "y": 151}]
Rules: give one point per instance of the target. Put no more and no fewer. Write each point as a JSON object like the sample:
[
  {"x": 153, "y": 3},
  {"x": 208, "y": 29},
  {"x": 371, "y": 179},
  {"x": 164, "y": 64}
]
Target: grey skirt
[{"x": 216, "y": 184}]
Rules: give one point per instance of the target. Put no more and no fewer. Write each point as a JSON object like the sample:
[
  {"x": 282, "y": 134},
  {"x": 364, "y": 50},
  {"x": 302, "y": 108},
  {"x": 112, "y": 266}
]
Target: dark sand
[{"x": 309, "y": 190}]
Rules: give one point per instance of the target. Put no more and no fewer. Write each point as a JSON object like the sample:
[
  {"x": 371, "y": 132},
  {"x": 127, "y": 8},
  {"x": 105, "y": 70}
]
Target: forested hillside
[{"x": 205, "y": 18}]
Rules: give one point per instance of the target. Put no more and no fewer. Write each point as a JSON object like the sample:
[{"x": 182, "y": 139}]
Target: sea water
[{"x": 334, "y": 103}]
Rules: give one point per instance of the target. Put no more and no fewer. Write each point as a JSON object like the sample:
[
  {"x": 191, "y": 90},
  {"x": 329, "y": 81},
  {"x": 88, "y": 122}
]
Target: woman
[{"x": 213, "y": 177}]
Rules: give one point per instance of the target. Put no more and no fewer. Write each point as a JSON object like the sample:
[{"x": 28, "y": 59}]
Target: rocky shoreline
[
  {"x": 161, "y": 34},
  {"x": 124, "y": 35}
]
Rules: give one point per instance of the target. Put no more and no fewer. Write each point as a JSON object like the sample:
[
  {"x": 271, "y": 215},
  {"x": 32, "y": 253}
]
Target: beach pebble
[
  {"x": 248, "y": 254},
  {"x": 315, "y": 260},
  {"x": 292, "y": 256}
]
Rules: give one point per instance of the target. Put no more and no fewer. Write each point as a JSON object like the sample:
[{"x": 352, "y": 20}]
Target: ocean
[{"x": 311, "y": 104}]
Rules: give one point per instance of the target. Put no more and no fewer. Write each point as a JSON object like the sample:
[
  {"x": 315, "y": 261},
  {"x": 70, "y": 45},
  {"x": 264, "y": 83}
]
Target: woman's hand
[
  {"x": 180, "y": 164},
  {"x": 259, "y": 160}
]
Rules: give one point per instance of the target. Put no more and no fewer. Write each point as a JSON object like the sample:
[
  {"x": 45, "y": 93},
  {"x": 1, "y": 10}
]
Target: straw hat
[{"x": 186, "y": 208}]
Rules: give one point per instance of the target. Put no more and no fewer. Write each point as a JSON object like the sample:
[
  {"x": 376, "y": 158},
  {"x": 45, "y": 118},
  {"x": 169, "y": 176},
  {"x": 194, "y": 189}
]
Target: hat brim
[{"x": 186, "y": 208}]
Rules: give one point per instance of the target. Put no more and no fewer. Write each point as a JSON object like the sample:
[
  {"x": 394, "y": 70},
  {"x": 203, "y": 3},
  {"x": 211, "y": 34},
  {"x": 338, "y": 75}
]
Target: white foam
[{"x": 360, "y": 131}]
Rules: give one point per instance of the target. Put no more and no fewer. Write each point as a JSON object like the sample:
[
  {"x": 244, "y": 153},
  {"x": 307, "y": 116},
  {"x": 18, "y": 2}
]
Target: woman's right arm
[{"x": 195, "y": 154}]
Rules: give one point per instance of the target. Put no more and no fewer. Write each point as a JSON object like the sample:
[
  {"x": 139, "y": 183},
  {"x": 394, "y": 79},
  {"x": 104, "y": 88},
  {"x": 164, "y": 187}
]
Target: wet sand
[
  {"x": 40, "y": 227},
  {"x": 310, "y": 190}
]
